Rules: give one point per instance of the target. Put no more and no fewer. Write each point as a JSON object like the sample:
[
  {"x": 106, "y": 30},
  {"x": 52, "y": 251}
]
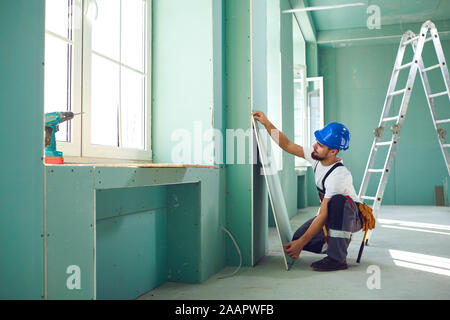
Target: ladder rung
[
  {"x": 397, "y": 92},
  {"x": 431, "y": 68},
  {"x": 410, "y": 40},
  {"x": 416, "y": 38},
  {"x": 390, "y": 119},
  {"x": 446, "y": 145},
  {"x": 386, "y": 143},
  {"x": 442, "y": 121},
  {"x": 437, "y": 94},
  {"x": 369, "y": 198},
  {"x": 405, "y": 66},
  {"x": 376, "y": 170}
]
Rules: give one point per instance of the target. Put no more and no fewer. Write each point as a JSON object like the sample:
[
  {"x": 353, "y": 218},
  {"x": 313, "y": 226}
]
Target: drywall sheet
[
  {"x": 238, "y": 94},
  {"x": 21, "y": 172},
  {"x": 258, "y": 96},
  {"x": 70, "y": 233},
  {"x": 131, "y": 241},
  {"x": 275, "y": 192},
  {"x": 131, "y": 254},
  {"x": 260, "y": 209}
]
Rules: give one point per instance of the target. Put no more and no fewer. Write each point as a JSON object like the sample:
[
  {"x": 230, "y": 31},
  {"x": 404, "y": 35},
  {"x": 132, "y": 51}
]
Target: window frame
[
  {"x": 308, "y": 80},
  {"x": 80, "y": 149},
  {"x": 73, "y": 147},
  {"x": 300, "y": 162},
  {"x": 307, "y": 134}
]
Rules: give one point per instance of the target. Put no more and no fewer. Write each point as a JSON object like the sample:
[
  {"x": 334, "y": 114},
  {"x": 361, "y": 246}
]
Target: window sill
[
  {"x": 137, "y": 165},
  {"x": 301, "y": 171}
]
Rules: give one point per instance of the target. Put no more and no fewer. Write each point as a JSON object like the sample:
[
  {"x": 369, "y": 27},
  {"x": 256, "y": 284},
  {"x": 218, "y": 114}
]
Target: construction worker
[{"x": 330, "y": 231}]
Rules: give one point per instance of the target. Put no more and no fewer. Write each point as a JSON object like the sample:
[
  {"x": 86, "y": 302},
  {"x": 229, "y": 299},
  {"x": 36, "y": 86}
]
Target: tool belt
[{"x": 368, "y": 220}]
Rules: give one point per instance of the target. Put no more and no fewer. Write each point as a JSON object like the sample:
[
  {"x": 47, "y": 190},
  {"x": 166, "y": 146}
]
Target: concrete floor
[{"x": 408, "y": 258}]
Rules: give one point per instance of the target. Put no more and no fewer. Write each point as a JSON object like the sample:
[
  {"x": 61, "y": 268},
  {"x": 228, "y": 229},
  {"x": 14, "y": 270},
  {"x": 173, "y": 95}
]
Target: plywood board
[
  {"x": 276, "y": 197},
  {"x": 141, "y": 165}
]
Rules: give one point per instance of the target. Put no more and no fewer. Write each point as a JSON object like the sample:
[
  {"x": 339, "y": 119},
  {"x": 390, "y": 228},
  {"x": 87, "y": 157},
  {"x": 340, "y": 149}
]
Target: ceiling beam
[
  {"x": 326, "y": 7},
  {"x": 304, "y": 20},
  {"x": 364, "y": 36}
]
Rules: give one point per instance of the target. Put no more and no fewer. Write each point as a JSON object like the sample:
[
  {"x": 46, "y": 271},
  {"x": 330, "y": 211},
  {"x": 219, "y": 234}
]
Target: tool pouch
[{"x": 368, "y": 220}]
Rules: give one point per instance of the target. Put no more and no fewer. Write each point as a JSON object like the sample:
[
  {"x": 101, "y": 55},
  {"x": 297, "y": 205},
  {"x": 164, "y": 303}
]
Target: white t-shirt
[{"x": 340, "y": 181}]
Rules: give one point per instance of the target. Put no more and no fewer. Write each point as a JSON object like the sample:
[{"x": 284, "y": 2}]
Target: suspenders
[{"x": 322, "y": 191}]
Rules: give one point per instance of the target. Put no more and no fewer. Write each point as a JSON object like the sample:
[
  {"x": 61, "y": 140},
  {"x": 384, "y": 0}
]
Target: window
[
  {"x": 300, "y": 111},
  {"x": 105, "y": 41},
  {"x": 315, "y": 107},
  {"x": 308, "y": 110},
  {"x": 62, "y": 69}
]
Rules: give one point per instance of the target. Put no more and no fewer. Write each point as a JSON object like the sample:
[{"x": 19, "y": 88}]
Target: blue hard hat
[{"x": 334, "y": 135}]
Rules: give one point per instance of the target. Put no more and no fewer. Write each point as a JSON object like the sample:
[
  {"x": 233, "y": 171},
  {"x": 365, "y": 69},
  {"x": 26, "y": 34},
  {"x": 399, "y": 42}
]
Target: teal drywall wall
[
  {"x": 131, "y": 247},
  {"x": 132, "y": 228},
  {"x": 259, "y": 99},
  {"x": 288, "y": 177},
  {"x": 274, "y": 111},
  {"x": 186, "y": 77},
  {"x": 219, "y": 117},
  {"x": 301, "y": 191},
  {"x": 238, "y": 109},
  {"x": 21, "y": 139},
  {"x": 281, "y": 94},
  {"x": 356, "y": 79},
  {"x": 131, "y": 254},
  {"x": 70, "y": 227},
  {"x": 312, "y": 198}
]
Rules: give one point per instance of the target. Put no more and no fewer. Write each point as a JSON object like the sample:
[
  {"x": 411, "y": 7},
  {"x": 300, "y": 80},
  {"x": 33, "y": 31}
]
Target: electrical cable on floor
[{"x": 239, "y": 252}]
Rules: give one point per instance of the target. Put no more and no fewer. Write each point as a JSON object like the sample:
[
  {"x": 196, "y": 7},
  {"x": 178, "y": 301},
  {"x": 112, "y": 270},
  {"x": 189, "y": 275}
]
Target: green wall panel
[
  {"x": 301, "y": 191},
  {"x": 288, "y": 177},
  {"x": 21, "y": 139},
  {"x": 70, "y": 231},
  {"x": 238, "y": 109},
  {"x": 123, "y": 201},
  {"x": 213, "y": 218},
  {"x": 184, "y": 225},
  {"x": 166, "y": 222},
  {"x": 311, "y": 190},
  {"x": 131, "y": 254},
  {"x": 259, "y": 101},
  {"x": 186, "y": 68},
  {"x": 131, "y": 241},
  {"x": 207, "y": 208}
]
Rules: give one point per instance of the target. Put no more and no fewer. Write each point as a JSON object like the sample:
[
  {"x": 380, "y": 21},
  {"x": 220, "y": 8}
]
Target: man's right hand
[
  {"x": 261, "y": 117},
  {"x": 293, "y": 248},
  {"x": 278, "y": 136}
]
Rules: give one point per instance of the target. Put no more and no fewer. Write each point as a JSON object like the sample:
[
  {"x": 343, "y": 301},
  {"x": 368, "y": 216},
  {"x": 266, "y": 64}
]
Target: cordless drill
[{"x": 52, "y": 121}]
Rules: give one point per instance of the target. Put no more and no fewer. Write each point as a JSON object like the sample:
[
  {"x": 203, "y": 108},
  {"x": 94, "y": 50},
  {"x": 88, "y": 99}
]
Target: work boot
[{"x": 328, "y": 264}]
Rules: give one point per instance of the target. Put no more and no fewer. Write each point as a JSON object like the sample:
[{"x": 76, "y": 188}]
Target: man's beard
[{"x": 316, "y": 157}]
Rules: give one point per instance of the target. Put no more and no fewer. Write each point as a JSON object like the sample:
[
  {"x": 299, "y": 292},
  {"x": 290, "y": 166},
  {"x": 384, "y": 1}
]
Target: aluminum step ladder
[{"x": 417, "y": 42}]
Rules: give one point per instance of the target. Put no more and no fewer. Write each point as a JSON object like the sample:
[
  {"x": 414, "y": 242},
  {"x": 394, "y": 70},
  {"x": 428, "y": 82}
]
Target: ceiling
[{"x": 392, "y": 12}]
